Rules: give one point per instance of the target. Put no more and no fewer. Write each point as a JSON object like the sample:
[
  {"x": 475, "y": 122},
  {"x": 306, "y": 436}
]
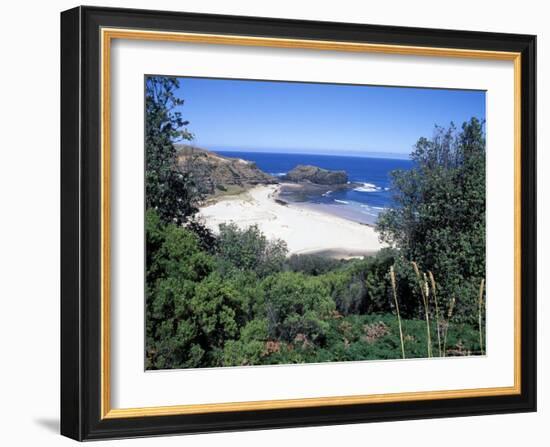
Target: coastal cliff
[{"x": 216, "y": 174}]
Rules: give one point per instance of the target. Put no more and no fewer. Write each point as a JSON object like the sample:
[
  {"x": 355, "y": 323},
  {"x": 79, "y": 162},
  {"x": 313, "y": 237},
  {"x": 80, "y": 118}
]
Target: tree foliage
[
  {"x": 169, "y": 191},
  {"x": 296, "y": 307},
  {"x": 249, "y": 249},
  {"x": 206, "y": 311},
  {"x": 439, "y": 217},
  {"x": 175, "y": 266}
]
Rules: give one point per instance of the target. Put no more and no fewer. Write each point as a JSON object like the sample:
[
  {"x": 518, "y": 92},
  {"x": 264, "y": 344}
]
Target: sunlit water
[{"x": 370, "y": 194}]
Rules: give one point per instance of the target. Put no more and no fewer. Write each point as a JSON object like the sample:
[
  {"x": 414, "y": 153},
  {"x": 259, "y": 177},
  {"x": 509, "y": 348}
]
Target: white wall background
[{"x": 29, "y": 223}]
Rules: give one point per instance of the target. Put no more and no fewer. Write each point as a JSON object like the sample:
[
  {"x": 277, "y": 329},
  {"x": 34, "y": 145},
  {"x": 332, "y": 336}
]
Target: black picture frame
[{"x": 81, "y": 224}]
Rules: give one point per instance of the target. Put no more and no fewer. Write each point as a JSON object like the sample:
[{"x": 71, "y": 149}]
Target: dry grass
[
  {"x": 449, "y": 316},
  {"x": 394, "y": 288},
  {"x": 424, "y": 292},
  {"x": 443, "y": 311},
  {"x": 437, "y": 316},
  {"x": 480, "y": 313},
  {"x": 374, "y": 331}
]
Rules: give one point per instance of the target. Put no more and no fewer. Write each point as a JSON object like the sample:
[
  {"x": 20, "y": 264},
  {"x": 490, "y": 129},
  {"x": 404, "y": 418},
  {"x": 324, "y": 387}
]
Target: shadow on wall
[{"x": 49, "y": 424}]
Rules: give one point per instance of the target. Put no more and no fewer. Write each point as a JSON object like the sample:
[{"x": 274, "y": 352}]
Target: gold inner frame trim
[{"x": 107, "y": 35}]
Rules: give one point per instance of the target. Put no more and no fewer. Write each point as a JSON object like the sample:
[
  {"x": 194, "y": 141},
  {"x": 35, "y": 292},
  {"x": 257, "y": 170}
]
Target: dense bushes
[
  {"x": 250, "y": 250},
  {"x": 439, "y": 216},
  {"x": 312, "y": 264},
  {"x": 237, "y": 306},
  {"x": 297, "y": 307},
  {"x": 362, "y": 287},
  {"x": 175, "y": 266}
]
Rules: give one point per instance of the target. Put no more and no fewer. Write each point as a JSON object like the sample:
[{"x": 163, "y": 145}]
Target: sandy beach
[{"x": 305, "y": 230}]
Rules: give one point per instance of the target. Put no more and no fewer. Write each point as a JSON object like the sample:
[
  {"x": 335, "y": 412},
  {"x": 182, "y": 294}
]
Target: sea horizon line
[{"x": 374, "y": 154}]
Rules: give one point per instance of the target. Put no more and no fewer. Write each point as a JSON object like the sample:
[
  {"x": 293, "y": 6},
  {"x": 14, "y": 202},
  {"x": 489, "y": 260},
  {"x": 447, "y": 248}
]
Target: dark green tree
[
  {"x": 297, "y": 307},
  {"x": 249, "y": 249},
  {"x": 439, "y": 217},
  {"x": 175, "y": 266},
  {"x": 362, "y": 288},
  {"x": 191, "y": 310},
  {"x": 250, "y": 347},
  {"x": 169, "y": 191},
  {"x": 218, "y": 313}
]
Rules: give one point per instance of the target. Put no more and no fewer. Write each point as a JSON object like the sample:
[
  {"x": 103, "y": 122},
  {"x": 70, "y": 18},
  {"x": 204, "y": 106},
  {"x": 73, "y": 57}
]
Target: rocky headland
[
  {"x": 316, "y": 175},
  {"x": 215, "y": 174}
]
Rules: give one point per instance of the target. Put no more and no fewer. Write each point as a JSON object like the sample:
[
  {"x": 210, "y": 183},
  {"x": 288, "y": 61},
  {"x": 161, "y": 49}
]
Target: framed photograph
[{"x": 275, "y": 223}]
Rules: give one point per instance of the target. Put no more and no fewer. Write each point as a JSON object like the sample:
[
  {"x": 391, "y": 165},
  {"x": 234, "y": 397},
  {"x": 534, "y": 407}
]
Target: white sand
[{"x": 304, "y": 230}]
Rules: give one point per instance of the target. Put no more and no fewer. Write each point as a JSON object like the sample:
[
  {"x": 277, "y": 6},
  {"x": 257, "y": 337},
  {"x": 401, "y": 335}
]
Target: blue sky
[{"x": 319, "y": 118}]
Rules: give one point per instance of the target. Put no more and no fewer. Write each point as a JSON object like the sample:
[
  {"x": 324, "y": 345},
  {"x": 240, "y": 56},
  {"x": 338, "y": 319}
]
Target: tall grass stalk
[
  {"x": 480, "y": 307},
  {"x": 437, "y": 316},
  {"x": 449, "y": 316},
  {"x": 394, "y": 288},
  {"x": 423, "y": 285},
  {"x": 427, "y": 305}
]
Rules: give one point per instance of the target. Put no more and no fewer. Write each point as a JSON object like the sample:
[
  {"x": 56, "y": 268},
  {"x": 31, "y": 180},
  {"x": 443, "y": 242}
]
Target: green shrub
[
  {"x": 249, "y": 249},
  {"x": 313, "y": 264},
  {"x": 362, "y": 286},
  {"x": 297, "y": 306},
  {"x": 250, "y": 348},
  {"x": 218, "y": 311},
  {"x": 439, "y": 217}
]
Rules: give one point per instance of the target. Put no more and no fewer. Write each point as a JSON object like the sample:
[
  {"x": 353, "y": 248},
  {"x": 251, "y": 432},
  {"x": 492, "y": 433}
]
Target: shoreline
[
  {"x": 318, "y": 207},
  {"x": 306, "y": 230}
]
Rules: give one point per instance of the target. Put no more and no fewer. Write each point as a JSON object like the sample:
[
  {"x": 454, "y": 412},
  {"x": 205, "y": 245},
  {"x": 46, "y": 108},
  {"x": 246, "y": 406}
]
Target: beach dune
[{"x": 305, "y": 230}]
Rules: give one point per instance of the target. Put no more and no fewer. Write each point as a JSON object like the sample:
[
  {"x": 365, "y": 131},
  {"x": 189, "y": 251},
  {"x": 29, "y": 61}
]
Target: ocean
[{"x": 362, "y": 203}]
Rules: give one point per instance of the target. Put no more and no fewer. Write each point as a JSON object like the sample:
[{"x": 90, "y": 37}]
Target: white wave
[
  {"x": 367, "y": 187},
  {"x": 372, "y": 208},
  {"x": 327, "y": 193},
  {"x": 341, "y": 201},
  {"x": 277, "y": 174},
  {"x": 369, "y": 213}
]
